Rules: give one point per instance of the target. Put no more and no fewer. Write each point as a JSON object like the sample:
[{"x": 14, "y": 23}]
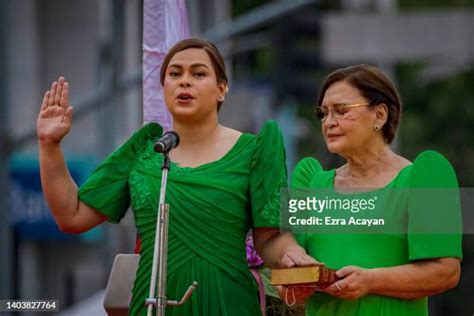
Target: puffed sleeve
[
  {"x": 304, "y": 172},
  {"x": 434, "y": 209},
  {"x": 107, "y": 189},
  {"x": 301, "y": 178},
  {"x": 268, "y": 176}
]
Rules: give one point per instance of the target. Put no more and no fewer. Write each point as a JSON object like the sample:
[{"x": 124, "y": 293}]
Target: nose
[
  {"x": 185, "y": 82},
  {"x": 330, "y": 121}
]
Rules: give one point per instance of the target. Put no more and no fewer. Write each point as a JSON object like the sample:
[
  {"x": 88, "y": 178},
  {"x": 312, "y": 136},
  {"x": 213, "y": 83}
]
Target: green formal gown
[
  {"x": 337, "y": 250},
  {"x": 212, "y": 207}
]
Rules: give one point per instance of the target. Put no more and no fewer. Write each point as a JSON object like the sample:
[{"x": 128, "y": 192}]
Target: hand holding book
[
  {"x": 311, "y": 275},
  {"x": 301, "y": 282}
]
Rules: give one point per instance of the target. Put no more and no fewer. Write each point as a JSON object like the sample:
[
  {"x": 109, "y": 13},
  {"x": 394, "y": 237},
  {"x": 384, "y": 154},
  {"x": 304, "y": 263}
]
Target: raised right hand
[{"x": 55, "y": 117}]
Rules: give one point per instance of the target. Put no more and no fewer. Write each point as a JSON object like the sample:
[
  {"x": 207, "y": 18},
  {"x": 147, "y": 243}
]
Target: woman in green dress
[
  {"x": 221, "y": 183},
  {"x": 389, "y": 270}
]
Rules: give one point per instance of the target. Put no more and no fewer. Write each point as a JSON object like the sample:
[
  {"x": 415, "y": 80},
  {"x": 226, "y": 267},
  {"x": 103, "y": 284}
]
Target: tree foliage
[{"x": 439, "y": 115}]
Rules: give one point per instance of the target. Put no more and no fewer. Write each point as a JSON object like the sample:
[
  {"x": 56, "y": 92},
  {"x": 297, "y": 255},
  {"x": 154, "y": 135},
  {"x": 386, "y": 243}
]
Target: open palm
[{"x": 55, "y": 117}]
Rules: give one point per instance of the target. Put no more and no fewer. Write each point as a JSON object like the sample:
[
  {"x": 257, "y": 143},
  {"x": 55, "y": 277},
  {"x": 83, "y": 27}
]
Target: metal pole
[
  {"x": 160, "y": 249},
  {"x": 255, "y": 18},
  {"x": 163, "y": 262},
  {"x": 5, "y": 150},
  {"x": 160, "y": 254}
]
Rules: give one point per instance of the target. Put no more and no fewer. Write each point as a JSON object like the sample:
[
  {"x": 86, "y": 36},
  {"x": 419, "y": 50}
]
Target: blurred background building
[{"x": 277, "y": 53}]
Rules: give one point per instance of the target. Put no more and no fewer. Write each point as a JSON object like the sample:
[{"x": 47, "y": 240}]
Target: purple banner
[{"x": 165, "y": 22}]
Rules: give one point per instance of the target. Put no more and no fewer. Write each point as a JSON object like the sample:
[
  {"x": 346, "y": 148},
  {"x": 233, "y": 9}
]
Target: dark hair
[
  {"x": 209, "y": 48},
  {"x": 375, "y": 87}
]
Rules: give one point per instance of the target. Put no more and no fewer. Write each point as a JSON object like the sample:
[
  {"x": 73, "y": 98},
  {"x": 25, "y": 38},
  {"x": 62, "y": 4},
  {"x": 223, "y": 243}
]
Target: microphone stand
[{"x": 160, "y": 254}]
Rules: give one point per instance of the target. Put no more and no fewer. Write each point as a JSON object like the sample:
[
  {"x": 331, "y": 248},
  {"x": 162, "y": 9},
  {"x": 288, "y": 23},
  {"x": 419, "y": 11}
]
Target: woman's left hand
[
  {"x": 296, "y": 256},
  {"x": 354, "y": 283}
]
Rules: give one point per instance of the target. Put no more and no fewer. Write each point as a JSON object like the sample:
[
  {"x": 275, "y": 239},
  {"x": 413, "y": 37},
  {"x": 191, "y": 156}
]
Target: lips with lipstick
[
  {"x": 185, "y": 97},
  {"x": 330, "y": 136}
]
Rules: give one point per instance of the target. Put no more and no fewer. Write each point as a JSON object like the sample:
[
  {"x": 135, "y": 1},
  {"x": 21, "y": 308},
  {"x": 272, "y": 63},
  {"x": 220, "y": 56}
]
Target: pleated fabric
[{"x": 212, "y": 207}]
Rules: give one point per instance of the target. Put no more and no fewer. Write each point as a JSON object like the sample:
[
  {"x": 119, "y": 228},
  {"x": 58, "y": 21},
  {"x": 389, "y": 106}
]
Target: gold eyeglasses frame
[{"x": 323, "y": 116}]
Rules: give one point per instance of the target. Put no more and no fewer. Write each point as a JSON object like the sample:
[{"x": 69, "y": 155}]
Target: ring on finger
[{"x": 337, "y": 286}]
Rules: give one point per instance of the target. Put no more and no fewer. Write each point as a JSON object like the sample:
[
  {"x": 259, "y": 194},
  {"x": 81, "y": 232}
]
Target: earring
[
  {"x": 221, "y": 98},
  {"x": 376, "y": 128}
]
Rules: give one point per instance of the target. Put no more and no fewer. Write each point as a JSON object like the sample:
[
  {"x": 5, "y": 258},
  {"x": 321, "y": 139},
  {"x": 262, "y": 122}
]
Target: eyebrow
[{"x": 192, "y": 66}]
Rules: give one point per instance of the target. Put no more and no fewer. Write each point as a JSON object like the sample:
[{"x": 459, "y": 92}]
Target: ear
[
  {"x": 381, "y": 115},
  {"x": 223, "y": 89}
]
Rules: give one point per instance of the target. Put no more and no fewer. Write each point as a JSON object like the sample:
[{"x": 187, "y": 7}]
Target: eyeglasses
[{"x": 338, "y": 110}]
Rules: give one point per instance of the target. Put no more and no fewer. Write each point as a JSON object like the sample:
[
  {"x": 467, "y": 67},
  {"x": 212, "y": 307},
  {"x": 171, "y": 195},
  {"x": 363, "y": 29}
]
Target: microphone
[{"x": 168, "y": 141}]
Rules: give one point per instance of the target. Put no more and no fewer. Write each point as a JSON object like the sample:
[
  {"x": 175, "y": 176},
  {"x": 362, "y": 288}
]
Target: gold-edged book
[{"x": 318, "y": 274}]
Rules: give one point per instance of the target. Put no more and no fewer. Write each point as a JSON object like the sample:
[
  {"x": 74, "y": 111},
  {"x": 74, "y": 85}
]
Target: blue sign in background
[{"x": 30, "y": 215}]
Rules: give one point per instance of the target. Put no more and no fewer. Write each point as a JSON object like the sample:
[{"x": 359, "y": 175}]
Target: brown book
[{"x": 319, "y": 275}]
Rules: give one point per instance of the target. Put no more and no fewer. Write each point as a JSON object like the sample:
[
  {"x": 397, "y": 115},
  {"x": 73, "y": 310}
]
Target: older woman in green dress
[
  {"x": 383, "y": 273},
  {"x": 221, "y": 183}
]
